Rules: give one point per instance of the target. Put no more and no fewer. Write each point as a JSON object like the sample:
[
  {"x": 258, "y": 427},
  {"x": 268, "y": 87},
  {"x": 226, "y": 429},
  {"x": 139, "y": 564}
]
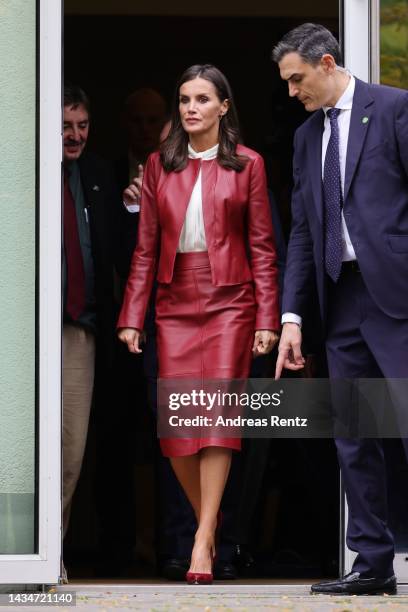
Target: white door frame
[
  {"x": 44, "y": 567},
  {"x": 361, "y": 41}
]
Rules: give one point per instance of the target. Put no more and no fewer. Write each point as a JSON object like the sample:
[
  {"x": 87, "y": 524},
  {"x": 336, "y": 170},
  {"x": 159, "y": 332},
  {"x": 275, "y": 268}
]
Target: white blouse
[{"x": 192, "y": 237}]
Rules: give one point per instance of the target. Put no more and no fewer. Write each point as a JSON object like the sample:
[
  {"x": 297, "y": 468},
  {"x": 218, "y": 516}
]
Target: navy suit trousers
[{"x": 364, "y": 342}]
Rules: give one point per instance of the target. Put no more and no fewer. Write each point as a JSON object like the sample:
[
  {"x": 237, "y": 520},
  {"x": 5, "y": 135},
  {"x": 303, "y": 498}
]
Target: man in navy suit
[{"x": 350, "y": 230}]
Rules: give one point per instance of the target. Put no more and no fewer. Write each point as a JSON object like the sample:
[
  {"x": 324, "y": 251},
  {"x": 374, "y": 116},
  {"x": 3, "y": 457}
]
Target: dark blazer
[
  {"x": 103, "y": 200},
  {"x": 236, "y": 216},
  {"x": 128, "y": 222},
  {"x": 375, "y": 202}
]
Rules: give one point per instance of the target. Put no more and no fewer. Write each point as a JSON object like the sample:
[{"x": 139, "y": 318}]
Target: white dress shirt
[
  {"x": 345, "y": 104},
  {"x": 192, "y": 237}
]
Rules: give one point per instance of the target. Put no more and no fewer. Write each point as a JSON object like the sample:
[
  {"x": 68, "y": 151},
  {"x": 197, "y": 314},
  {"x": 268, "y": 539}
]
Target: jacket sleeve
[
  {"x": 145, "y": 256},
  {"x": 299, "y": 271},
  {"x": 262, "y": 250},
  {"x": 401, "y": 129}
]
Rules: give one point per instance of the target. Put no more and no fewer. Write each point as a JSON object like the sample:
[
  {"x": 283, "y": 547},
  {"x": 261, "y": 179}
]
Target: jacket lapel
[
  {"x": 315, "y": 160},
  {"x": 209, "y": 180},
  {"x": 178, "y": 183},
  {"x": 359, "y": 125}
]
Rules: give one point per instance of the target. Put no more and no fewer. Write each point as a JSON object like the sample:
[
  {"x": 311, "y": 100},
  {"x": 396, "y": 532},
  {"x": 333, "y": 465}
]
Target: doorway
[{"x": 286, "y": 524}]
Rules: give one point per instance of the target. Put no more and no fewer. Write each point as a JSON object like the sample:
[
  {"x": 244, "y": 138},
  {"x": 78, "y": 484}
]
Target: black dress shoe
[
  {"x": 175, "y": 569},
  {"x": 223, "y": 570},
  {"x": 354, "y": 584}
]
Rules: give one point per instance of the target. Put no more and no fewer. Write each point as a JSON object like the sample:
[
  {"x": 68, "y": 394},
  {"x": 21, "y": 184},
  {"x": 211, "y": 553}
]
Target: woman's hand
[
  {"x": 264, "y": 342},
  {"x": 132, "y": 337}
]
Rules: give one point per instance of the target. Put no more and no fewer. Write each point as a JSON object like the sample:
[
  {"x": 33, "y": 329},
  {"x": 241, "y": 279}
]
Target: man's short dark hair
[
  {"x": 75, "y": 96},
  {"x": 311, "y": 41}
]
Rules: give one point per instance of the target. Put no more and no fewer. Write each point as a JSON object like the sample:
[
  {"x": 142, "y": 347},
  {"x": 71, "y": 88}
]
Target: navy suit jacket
[{"x": 375, "y": 202}]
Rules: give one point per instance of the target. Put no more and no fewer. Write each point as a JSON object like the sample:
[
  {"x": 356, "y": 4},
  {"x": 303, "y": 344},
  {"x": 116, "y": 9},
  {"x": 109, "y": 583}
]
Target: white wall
[{"x": 17, "y": 273}]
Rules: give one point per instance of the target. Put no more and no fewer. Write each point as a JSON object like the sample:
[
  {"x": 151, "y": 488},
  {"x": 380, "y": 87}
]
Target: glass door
[{"x": 30, "y": 389}]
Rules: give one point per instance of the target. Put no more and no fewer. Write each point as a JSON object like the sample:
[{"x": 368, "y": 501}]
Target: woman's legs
[
  {"x": 203, "y": 477},
  {"x": 187, "y": 470}
]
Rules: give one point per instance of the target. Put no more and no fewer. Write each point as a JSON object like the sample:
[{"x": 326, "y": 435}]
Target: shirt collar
[
  {"x": 208, "y": 154},
  {"x": 345, "y": 102},
  {"x": 72, "y": 170}
]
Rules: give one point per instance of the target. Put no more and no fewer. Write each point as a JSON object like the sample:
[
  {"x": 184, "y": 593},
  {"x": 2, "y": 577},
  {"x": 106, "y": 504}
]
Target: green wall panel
[{"x": 17, "y": 274}]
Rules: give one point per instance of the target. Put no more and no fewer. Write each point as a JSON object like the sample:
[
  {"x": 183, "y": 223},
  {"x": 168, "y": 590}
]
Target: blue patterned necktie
[{"x": 333, "y": 200}]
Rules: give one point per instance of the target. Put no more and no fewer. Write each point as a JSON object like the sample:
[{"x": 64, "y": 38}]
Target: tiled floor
[{"x": 243, "y": 596}]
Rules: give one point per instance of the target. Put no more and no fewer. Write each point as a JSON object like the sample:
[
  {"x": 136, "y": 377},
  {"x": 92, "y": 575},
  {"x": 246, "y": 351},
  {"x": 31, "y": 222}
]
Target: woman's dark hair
[{"x": 174, "y": 149}]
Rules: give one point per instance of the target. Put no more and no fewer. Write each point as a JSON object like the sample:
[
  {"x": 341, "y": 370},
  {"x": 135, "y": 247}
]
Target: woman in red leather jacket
[{"x": 205, "y": 231}]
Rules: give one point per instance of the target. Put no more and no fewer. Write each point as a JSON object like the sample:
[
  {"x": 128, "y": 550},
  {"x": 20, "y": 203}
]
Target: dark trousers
[{"x": 364, "y": 342}]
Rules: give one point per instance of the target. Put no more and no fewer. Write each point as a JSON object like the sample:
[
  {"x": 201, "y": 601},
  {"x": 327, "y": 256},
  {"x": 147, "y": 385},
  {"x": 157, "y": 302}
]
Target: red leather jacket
[{"x": 237, "y": 222}]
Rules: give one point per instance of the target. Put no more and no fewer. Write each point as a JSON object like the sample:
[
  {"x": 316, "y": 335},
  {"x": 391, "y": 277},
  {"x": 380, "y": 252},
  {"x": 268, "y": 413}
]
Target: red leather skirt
[{"x": 203, "y": 332}]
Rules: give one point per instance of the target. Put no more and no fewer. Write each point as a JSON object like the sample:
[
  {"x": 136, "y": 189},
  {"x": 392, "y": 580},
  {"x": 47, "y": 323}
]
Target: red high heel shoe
[
  {"x": 200, "y": 577},
  {"x": 207, "y": 578}
]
